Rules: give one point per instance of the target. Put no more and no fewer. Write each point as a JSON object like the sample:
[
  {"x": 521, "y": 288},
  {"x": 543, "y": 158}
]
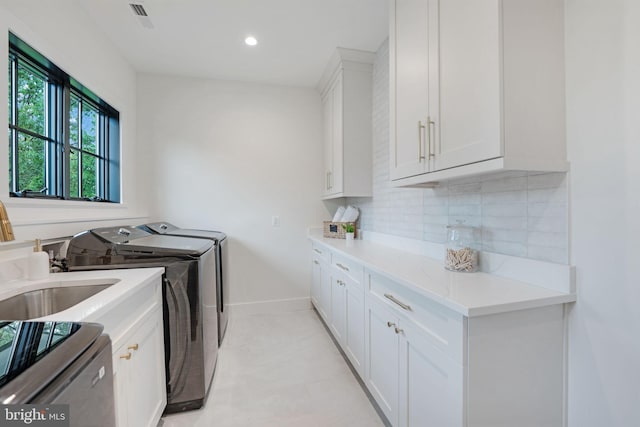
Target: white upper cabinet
[
  {"x": 346, "y": 90},
  {"x": 475, "y": 86}
]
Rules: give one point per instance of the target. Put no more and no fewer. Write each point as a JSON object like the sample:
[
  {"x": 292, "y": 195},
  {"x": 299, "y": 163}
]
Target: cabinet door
[
  {"x": 337, "y": 171},
  {"x": 315, "y": 283},
  {"x": 431, "y": 384},
  {"x": 409, "y": 86},
  {"x": 465, "y": 78},
  {"x": 327, "y": 107},
  {"x": 325, "y": 292},
  {"x": 147, "y": 395},
  {"x": 338, "y": 309},
  {"x": 382, "y": 358},
  {"x": 121, "y": 386},
  {"x": 354, "y": 335},
  {"x": 139, "y": 375}
]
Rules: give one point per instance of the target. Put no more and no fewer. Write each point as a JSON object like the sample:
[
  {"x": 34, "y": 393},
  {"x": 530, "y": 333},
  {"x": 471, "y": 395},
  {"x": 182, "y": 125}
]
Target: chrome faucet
[{"x": 6, "y": 231}]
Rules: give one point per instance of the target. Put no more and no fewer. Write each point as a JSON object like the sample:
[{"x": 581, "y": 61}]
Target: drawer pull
[
  {"x": 398, "y": 330},
  {"x": 317, "y": 251},
  {"x": 342, "y": 266},
  {"x": 126, "y": 356},
  {"x": 133, "y": 347},
  {"x": 340, "y": 282},
  {"x": 315, "y": 261},
  {"x": 391, "y": 324},
  {"x": 400, "y": 303}
]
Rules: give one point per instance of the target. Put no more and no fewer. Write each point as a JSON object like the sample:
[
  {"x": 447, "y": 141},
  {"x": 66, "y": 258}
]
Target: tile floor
[{"x": 280, "y": 370}]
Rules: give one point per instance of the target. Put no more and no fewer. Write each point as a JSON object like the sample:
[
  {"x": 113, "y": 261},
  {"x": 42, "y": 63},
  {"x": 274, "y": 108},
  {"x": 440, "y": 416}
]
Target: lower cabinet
[
  {"x": 382, "y": 358},
  {"x": 137, "y": 339},
  {"x": 347, "y": 318},
  {"x": 139, "y": 380},
  {"x": 354, "y": 334},
  {"x": 430, "y": 383},
  {"x": 428, "y": 365}
]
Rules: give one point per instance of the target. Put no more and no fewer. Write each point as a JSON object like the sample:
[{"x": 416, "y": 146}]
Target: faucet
[{"x": 6, "y": 231}]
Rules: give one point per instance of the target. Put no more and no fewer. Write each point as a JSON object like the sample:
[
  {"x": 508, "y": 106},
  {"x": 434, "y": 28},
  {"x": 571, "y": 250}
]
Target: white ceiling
[{"x": 205, "y": 38}]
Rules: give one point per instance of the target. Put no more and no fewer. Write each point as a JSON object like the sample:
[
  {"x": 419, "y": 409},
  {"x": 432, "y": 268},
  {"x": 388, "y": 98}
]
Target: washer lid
[
  {"x": 131, "y": 239},
  {"x": 163, "y": 244},
  {"x": 202, "y": 234}
]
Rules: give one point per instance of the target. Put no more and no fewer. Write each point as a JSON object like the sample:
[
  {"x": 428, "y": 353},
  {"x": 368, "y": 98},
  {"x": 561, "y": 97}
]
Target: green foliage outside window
[{"x": 42, "y": 159}]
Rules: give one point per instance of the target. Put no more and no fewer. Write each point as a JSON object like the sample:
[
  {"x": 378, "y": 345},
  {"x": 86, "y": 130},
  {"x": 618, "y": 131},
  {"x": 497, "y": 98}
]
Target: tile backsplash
[{"x": 519, "y": 213}]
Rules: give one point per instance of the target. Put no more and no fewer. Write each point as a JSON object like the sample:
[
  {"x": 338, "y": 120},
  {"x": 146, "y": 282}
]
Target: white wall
[
  {"x": 603, "y": 111},
  {"x": 66, "y": 36},
  {"x": 229, "y": 156},
  {"x": 519, "y": 214}
]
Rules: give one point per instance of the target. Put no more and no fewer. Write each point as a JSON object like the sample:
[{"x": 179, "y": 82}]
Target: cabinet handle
[
  {"x": 133, "y": 347},
  {"x": 327, "y": 183},
  {"x": 398, "y": 330},
  {"x": 430, "y": 123},
  {"x": 400, "y": 303},
  {"x": 391, "y": 324},
  {"x": 317, "y": 251},
  {"x": 420, "y": 129},
  {"x": 342, "y": 266},
  {"x": 315, "y": 261},
  {"x": 330, "y": 180},
  {"x": 126, "y": 356}
]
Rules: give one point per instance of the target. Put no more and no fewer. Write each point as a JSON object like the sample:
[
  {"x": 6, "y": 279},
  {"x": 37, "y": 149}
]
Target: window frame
[{"x": 60, "y": 87}]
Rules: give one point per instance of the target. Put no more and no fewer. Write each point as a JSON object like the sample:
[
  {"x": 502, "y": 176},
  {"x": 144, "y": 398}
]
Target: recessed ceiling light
[{"x": 251, "y": 41}]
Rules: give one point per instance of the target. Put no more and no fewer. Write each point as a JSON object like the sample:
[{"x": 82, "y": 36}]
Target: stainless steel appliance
[
  {"x": 190, "y": 312},
  {"x": 222, "y": 263},
  {"x": 58, "y": 363}
]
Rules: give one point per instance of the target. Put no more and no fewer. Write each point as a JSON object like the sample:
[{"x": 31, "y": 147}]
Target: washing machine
[
  {"x": 222, "y": 263},
  {"x": 189, "y": 299}
]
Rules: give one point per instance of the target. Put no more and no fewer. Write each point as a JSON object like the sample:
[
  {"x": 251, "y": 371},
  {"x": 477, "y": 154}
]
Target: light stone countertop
[
  {"x": 125, "y": 283},
  {"x": 470, "y": 294}
]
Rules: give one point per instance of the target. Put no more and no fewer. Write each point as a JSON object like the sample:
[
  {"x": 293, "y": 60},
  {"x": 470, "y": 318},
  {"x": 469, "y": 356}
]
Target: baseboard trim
[{"x": 270, "y": 307}]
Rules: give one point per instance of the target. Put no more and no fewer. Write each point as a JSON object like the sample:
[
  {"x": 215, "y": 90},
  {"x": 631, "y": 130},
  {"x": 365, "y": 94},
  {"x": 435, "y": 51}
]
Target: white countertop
[
  {"x": 471, "y": 294},
  {"x": 125, "y": 282}
]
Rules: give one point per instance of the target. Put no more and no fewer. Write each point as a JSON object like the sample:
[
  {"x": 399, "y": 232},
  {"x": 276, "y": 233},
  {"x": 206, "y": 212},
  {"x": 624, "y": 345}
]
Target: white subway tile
[
  {"x": 504, "y": 197},
  {"x": 504, "y": 184},
  {"x": 505, "y": 223},
  {"x": 552, "y": 240},
  {"x": 507, "y": 209}
]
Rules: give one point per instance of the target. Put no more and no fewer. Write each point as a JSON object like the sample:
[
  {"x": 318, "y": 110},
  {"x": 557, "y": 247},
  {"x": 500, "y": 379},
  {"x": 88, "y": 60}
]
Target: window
[{"x": 64, "y": 140}]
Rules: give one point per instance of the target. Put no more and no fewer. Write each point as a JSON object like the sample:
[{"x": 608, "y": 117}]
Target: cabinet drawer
[
  {"x": 351, "y": 269},
  {"x": 321, "y": 253},
  {"x": 444, "y": 328}
]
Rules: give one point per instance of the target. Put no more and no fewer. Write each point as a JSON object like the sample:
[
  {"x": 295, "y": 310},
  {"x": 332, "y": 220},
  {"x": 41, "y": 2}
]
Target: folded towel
[
  {"x": 339, "y": 213},
  {"x": 350, "y": 215}
]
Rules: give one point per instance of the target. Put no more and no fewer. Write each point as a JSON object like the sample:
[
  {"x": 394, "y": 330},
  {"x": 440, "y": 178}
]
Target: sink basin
[{"x": 44, "y": 302}]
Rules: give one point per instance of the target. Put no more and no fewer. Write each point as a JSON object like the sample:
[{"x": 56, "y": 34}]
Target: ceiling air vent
[
  {"x": 138, "y": 9},
  {"x": 141, "y": 14}
]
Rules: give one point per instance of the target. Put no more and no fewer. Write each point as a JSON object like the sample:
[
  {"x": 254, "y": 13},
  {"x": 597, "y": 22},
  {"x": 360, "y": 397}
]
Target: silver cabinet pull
[
  {"x": 330, "y": 180},
  {"x": 342, "y": 266},
  {"x": 315, "y": 261},
  {"x": 420, "y": 129},
  {"x": 391, "y": 324},
  {"x": 398, "y": 330},
  {"x": 430, "y": 123},
  {"x": 400, "y": 303},
  {"x": 317, "y": 251}
]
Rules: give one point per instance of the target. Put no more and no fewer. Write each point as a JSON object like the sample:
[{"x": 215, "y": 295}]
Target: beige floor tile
[{"x": 280, "y": 370}]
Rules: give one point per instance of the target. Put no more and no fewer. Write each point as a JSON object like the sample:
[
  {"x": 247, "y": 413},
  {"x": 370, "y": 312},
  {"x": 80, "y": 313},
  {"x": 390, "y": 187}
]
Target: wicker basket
[{"x": 336, "y": 230}]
